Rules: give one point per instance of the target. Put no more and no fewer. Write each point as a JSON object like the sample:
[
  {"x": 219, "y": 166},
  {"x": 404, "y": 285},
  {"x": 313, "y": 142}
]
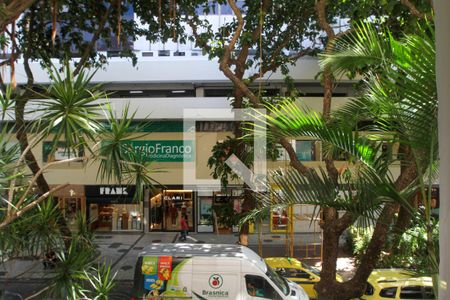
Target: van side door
[
  {"x": 258, "y": 287},
  {"x": 216, "y": 277}
]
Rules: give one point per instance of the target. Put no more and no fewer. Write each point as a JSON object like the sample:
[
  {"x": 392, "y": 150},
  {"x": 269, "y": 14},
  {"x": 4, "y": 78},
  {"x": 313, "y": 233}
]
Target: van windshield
[{"x": 279, "y": 281}]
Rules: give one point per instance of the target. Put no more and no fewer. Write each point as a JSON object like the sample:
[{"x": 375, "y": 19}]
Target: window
[
  {"x": 388, "y": 292},
  {"x": 369, "y": 289},
  {"x": 257, "y": 286},
  {"x": 293, "y": 273},
  {"x": 280, "y": 282},
  {"x": 306, "y": 150},
  {"x": 59, "y": 152},
  {"x": 163, "y": 52},
  {"x": 214, "y": 126},
  {"x": 71, "y": 207},
  {"x": 415, "y": 292},
  {"x": 428, "y": 292}
]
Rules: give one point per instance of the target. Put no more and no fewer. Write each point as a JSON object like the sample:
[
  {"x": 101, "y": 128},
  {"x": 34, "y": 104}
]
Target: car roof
[
  {"x": 283, "y": 262},
  {"x": 393, "y": 277}
]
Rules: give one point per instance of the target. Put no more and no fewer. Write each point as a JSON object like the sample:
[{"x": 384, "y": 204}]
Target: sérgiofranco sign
[{"x": 165, "y": 150}]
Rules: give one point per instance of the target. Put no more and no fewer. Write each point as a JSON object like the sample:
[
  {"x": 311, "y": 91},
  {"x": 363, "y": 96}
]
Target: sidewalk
[{"x": 121, "y": 249}]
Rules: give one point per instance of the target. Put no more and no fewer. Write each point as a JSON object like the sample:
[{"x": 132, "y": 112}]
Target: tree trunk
[
  {"x": 22, "y": 137},
  {"x": 326, "y": 288},
  {"x": 247, "y": 206},
  {"x": 404, "y": 216}
]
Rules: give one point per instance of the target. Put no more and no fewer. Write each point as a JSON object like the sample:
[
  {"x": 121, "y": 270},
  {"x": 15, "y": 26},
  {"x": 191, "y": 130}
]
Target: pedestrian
[
  {"x": 184, "y": 228},
  {"x": 49, "y": 260}
]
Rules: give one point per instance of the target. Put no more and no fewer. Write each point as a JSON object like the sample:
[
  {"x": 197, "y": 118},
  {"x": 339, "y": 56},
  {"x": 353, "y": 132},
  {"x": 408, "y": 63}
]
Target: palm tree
[
  {"x": 400, "y": 100},
  {"x": 70, "y": 110}
]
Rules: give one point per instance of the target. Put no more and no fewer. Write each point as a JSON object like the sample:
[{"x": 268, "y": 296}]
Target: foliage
[
  {"x": 401, "y": 101},
  {"x": 67, "y": 282},
  {"x": 412, "y": 254},
  {"x": 118, "y": 160},
  {"x": 36, "y": 233},
  {"x": 43, "y": 232},
  {"x": 83, "y": 232},
  {"x": 226, "y": 215},
  {"x": 70, "y": 110},
  {"x": 222, "y": 151},
  {"x": 101, "y": 281},
  {"x": 78, "y": 22}
]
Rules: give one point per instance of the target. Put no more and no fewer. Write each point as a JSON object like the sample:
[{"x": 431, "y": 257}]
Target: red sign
[{"x": 164, "y": 267}]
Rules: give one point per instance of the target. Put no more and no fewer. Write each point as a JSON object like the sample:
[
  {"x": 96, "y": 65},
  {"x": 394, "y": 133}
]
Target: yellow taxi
[
  {"x": 298, "y": 272},
  {"x": 394, "y": 284}
]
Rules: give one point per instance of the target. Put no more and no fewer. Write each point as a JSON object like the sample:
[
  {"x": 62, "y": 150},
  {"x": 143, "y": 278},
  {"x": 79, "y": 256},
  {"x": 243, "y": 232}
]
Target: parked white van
[{"x": 208, "y": 271}]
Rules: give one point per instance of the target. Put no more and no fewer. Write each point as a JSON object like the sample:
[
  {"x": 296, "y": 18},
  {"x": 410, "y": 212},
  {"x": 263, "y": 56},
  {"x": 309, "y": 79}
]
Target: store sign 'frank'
[{"x": 113, "y": 191}]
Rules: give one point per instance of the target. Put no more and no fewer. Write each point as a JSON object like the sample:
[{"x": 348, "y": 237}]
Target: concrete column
[
  {"x": 200, "y": 92},
  {"x": 145, "y": 219},
  {"x": 442, "y": 9}
]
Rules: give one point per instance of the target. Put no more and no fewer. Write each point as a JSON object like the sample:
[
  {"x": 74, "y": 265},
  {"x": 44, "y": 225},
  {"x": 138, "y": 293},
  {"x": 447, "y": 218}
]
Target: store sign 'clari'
[{"x": 165, "y": 150}]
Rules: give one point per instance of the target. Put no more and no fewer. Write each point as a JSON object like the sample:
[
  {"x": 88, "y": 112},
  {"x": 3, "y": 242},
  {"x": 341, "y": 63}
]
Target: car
[
  {"x": 298, "y": 272},
  {"x": 397, "y": 284}
]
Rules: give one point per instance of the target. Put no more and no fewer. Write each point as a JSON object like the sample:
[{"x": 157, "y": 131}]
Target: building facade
[{"x": 168, "y": 79}]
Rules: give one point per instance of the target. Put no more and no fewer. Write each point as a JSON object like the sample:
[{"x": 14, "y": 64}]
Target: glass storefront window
[
  {"x": 205, "y": 220},
  {"x": 168, "y": 207},
  {"x": 116, "y": 217},
  {"x": 279, "y": 219},
  {"x": 71, "y": 206}
]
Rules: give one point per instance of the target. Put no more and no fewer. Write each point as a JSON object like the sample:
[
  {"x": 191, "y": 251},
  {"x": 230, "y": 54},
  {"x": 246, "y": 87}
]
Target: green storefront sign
[{"x": 165, "y": 150}]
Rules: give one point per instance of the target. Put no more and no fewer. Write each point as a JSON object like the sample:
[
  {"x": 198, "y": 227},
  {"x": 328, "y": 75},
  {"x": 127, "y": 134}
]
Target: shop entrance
[
  {"x": 167, "y": 207},
  {"x": 113, "y": 208}
]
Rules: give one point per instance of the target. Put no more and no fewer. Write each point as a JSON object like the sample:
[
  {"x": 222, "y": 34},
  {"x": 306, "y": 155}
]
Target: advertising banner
[
  {"x": 166, "y": 276},
  {"x": 164, "y": 267},
  {"x": 150, "y": 272}
]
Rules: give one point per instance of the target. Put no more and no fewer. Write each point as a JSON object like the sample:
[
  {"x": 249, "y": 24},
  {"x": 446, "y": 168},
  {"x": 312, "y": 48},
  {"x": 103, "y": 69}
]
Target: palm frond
[
  {"x": 69, "y": 111},
  {"x": 288, "y": 120},
  {"x": 360, "y": 48},
  {"x": 114, "y": 150}
]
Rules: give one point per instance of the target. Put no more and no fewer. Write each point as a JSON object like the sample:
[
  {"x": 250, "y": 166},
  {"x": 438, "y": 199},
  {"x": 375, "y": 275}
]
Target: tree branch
[
  {"x": 196, "y": 35},
  {"x": 95, "y": 37},
  {"x": 47, "y": 166},
  {"x": 413, "y": 9},
  {"x": 294, "y": 161},
  {"x": 12, "y": 11},
  {"x": 22, "y": 211},
  {"x": 274, "y": 65},
  {"x": 322, "y": 18},
  {"x": 321, "y": 9},
  {"x": 228, "y": 50}
]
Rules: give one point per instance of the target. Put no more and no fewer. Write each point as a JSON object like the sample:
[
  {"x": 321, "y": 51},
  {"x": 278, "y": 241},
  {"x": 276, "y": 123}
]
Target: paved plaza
[{"x": 21, "y": 278}]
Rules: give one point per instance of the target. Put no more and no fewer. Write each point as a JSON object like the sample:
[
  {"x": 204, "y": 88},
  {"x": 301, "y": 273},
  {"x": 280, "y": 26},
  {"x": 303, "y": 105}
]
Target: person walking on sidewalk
[{"x": 184, "y": 228}]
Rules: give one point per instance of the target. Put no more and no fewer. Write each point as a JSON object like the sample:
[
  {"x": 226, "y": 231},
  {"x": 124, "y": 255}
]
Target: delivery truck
[{"x": 208, "y": 271}]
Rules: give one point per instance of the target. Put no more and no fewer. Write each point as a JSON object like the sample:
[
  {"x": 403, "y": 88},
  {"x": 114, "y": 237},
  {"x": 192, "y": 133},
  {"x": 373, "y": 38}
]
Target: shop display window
[
  {"x": 167, "y": 209},
  {"x": 205, "y": 222},
  {"x": 279, "y": 219},
  {"x": 116, "y": 217},
  {"x": 70, "y": 209}
]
